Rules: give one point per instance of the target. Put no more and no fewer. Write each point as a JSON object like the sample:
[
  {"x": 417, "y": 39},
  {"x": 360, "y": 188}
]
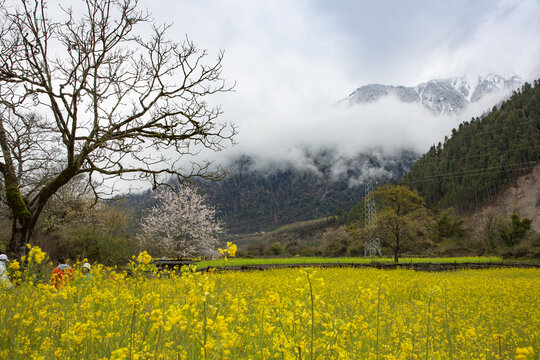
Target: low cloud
[{"x": 385, "y": 127}]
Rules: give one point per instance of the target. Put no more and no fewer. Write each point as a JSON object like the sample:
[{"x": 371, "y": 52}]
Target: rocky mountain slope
[{"x": 522, "y": 198}]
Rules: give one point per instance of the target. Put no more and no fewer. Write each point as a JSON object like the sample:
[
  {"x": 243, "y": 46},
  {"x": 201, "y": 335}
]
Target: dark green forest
[
  {"x": 252, "y": 200},
  {"x": 482, "y": 155}
]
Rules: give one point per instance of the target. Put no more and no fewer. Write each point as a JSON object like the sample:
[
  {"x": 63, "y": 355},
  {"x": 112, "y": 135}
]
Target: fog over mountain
[
  {"x": 375, "y": 120},
  {"x": 318, "y": 163},
  {"x": 293, "y": 61}
]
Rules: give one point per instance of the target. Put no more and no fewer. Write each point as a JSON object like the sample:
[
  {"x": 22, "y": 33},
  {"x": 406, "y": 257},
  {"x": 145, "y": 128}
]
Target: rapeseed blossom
[
  {"x": 14, "y": 266},
  {"x": 230, "y": 250},
  {"x": 144, "y": 258},
  {"x": 279, "y": 314},
  {"x": 36, "y": 254},
  {"x": 525, "y": 353}
]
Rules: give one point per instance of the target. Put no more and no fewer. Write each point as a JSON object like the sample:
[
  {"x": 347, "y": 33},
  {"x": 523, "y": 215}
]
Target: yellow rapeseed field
[{"x": 278, "y": 314}]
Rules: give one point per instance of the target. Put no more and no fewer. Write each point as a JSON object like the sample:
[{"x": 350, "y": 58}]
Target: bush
[
  {"x": 335, "y": 242},
  {"x": 307, "y": 252},
  {"x": 516, "y": 231},
  {"x": 277, "y": 249},
  {"x": 98, "y": 233}
]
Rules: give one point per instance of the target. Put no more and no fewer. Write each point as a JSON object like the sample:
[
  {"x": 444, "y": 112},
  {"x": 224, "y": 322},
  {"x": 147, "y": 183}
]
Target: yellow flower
[
  {"x": 144, "y": 258},
  {"x": 35, "y": 254},
  {"x": 230, "y": 250},
  {"x": 156, "y": 315},
  {"x": 260, "y": 315},
  {"x": 525, "y": 353},
  {"x": 15, "y": 265},
  {"x": 120, "y": 354}
]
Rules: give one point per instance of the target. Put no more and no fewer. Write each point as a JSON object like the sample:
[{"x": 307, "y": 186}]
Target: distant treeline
[{"x": 482, "y": 155}]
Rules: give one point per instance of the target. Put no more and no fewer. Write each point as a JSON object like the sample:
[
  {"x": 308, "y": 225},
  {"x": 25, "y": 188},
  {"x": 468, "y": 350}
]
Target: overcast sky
[
  {"x": 293, "y": 60},
  {"x": 342, "y": 44}
]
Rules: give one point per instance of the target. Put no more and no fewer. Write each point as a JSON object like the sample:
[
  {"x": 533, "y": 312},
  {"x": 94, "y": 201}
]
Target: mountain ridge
[
  {"x": 482, "y": 155},
  {"x": 442, "y": 96}
]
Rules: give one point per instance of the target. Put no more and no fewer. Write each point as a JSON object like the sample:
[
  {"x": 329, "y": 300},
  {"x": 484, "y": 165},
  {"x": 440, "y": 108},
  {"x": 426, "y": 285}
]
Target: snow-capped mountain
[{"x": 443, "y": 96}]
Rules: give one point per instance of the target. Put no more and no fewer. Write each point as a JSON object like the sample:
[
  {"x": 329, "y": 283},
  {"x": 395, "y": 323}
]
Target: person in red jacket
[{"x": 61, "y": 274}]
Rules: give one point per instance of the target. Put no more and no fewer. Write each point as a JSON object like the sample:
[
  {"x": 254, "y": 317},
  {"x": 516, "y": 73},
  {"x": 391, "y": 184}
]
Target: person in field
[
  {"x": 4, "y": 279},
  {"x": 62, "y": 273},
  {"x": 86, "y": 270}
]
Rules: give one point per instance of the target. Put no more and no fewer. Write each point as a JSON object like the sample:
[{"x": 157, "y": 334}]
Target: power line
[
  {"x": 475, "y": 172},
  {"x": 487, "y": 154},
  {"x": 483, "y": 170},
  {"x": 436, "y": 160},
  {"x": 482, "y": 131}
]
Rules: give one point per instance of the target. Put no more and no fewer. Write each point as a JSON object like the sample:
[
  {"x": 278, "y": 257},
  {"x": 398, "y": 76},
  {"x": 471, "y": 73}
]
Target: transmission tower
[{"x": 372, "y": 245}]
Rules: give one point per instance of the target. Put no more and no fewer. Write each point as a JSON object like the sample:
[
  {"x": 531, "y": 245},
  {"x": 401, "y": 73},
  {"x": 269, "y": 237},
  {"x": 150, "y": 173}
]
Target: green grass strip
[{"x": 342, "y": 260}]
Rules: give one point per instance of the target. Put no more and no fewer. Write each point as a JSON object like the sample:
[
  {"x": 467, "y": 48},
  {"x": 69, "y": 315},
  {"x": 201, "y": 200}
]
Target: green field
[{"x": 343, "y": 260}]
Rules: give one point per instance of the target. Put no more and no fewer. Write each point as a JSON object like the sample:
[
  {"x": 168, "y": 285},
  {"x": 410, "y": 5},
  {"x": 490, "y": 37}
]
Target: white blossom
[{"x": 182, "y": 223}]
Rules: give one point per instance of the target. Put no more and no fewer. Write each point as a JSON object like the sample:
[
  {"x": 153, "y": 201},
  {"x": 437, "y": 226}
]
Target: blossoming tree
[{"x": 182, "y": 223}]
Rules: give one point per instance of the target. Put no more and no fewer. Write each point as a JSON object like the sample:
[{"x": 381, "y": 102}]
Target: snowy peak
[
  {"x": 373, "y": 92},
  {"x": 443, "y": 96},
  {"x": 493, "y": 83}
]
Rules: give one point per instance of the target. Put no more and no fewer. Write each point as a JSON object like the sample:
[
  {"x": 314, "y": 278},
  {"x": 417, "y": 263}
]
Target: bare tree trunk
[
  {"x": 20, "y": 236},
  {"x": 22, "y": 217},
  {"x": 397, "y": 248}
]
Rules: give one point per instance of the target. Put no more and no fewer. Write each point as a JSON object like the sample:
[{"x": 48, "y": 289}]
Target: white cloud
[
  {"x": 503, "y": 40},
  {"x": 294, "y": 60},
  {"x": 387, "y": 125}
]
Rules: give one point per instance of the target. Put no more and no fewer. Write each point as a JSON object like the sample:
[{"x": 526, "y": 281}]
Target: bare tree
[
  {"x": 182, "y": 223},
  {"x": 111, "y": 104}
]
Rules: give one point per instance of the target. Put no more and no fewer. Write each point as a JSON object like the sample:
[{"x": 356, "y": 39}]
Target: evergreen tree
[{"x": 482, "y": 155}]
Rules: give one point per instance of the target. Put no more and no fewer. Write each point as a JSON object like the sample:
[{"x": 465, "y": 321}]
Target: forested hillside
[
  {"x": 252, "y": 199},
  {"x": 482, "y": 155},
  {"x": 258, "y": 198}
]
